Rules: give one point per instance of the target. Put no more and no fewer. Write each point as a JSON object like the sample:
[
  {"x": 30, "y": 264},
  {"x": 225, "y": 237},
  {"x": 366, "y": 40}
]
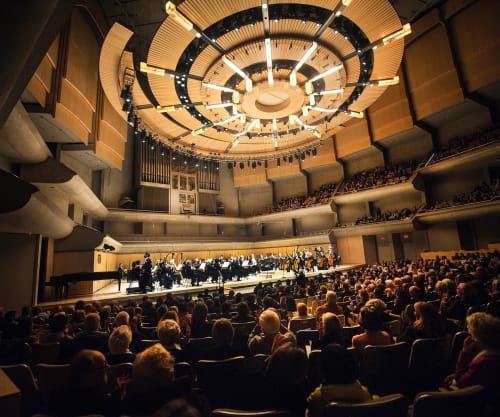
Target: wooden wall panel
[
  {"x": 83, "y": 58},
  {"x": 284, "y": 170},
  {"x": 474, "y": 32},
  {"x": 112, "y": 132},
  {"x": 353, "y": 138},
  {"x": 37, "y": 90},
  {"x": 325, "y": 155},
  {"x": 390, "y": 114},
  {"x": 351, "y": 249},
  {"x": 432, "y": 77},
  {"x": 76, "y": 104},
  {"x": 103, "y": 151},
  {"x": 249, "y": 176}
]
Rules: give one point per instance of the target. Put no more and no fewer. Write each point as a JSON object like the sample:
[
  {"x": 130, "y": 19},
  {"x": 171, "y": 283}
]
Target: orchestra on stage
[{"x": 194, "y": 272}]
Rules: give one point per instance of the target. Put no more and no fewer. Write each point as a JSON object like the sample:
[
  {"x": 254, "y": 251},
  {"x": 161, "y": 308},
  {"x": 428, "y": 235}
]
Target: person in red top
[
  {"x": 371, "y": 319},
  {"x": 479, "y": 360}
]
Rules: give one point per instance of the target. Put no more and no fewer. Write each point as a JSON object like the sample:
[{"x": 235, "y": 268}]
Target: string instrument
[
  {"x": 296, "y": 264},
  {"x": 321, "y": 262},
  {"x": 285, "y": 265},
  {"x": 331, "y": 260},
  {"x": 309, "y": 263}
]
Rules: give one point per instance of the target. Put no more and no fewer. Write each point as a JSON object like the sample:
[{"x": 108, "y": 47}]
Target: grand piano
[{"x": 61, "y": 282}]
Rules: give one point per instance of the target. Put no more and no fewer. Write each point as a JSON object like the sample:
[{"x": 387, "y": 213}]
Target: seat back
[
  {"x": 348, "y": 332},
  {"x": 183, "y": 369},
  {"x": 22, "y": 377},
  {"x": 315, "y": 370},
  {"x": 226, "y": 412},
  {"x": 218, "y": 379},
  {"x": 145, "y": 343},
  {"x": 241, "y": 333},
  {"x": 45, "y": 352},
  {"x": 395, "y": 405},
  {"x": 51, "y": 379},
  {"x": 383, "y": 369},
  {"x": 304, "y": 337},
  {"x": 466, "y": 402},
  {"x": 198, "y": 346},
  {"x": 149, "y": 332},
  {"x": 457, "y": 342},
  {"x": 428, "y": 363},
  {"x": 302, "y": 324}
]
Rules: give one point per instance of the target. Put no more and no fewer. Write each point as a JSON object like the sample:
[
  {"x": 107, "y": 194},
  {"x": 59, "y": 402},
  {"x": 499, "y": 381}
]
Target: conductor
[{"x": 145, "y": 277}]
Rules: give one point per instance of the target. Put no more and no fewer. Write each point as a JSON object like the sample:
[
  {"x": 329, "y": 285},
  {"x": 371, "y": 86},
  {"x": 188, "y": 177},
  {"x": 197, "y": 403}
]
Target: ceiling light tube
[
  {"x": 316, "y": 133},
  {"x": 342, "y": 6},
  {"x": 336, "y": 68},
  {"x": 357, "y": 114},
  {"x": 150, "y": 69},
  {"x": 228, "y": 120},
  {"x": 199, "y": 131},
  {"x": 178, "y": 17},
  {"x": 269, "y": 60},
  {"x": 305, "y": 110},
  {"x": 300, "y": 122},
  {"x": 404, "y": 31},
  {"x": 234, "y": 67},
  {"x": 293, "y": 78},
  {"x": 218, "y": 105},
  {"x": 309, "y": 87},
  {"x": 236, "y": 97},
  {"x": 385, "y": 82},
  {"x": 324, "y": 110},
  {"x": 306, "y": 56},
  {"x": 218, "y": 87},
  {"x": 312, "y": 100},
  {"x": 328, "y": 92}
]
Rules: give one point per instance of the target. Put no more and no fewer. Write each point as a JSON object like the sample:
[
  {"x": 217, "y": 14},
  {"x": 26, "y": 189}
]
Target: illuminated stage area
[{"x": 110, "y": 292}]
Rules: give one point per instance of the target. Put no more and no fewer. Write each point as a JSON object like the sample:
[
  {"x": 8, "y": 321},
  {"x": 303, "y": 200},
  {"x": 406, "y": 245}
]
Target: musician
[
  {"x": 122, "y": 273},
  {"x": 145, "y": 276}
]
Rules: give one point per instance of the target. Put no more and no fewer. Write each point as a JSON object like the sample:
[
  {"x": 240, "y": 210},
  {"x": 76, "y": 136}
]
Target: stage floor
[{"x": 110, "y": 292}]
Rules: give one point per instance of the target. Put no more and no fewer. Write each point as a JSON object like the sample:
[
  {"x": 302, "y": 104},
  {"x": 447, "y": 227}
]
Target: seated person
[
  {"x": 331, "y": 332},
  {"x": 153, "y": 382},
  {"x": 169, "y": 334},
  {"x": 371, "y": 321},
  {"x": 243, "y": 315},
  {"x": 87, "y": 388},
  {"x": 119, "y": 344},
  {"x": 222, "y": 333},
  {"x": 296, "y": 322},
  {"x": 58, "y": 329},
  {"x": 479, "y": 360},
  {"x": 428, "y": 324},
  {"x": 269, "y": 324},
  {"x": 339, "y": 381},
  {"x": 91, "y": 337},
  {"x": 200, "y": 327}
]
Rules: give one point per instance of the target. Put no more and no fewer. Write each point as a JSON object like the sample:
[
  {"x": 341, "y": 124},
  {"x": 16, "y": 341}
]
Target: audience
[
  {"x": 421, "y": 294},
  {"x": 119, "y": 346},
  {"x": 479, "y": 361},
  {"x": 339, "y": 381},
  {"x": 379, "y": 177},
  {"x": 480, "y": 193}
]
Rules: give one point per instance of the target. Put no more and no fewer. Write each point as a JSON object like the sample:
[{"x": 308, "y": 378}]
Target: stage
[{"x": 110, "y": 292}]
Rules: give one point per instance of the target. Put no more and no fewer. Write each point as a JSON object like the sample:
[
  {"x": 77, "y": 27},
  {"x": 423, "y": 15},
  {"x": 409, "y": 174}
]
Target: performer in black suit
[{"x": 145, "y": 278}]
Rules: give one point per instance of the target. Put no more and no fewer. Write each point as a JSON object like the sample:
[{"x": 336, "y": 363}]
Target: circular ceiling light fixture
[{"x": 256, "y": 80}]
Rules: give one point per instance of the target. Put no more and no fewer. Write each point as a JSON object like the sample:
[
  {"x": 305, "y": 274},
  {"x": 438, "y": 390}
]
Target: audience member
[
  {"x": 339, "y": 381},
  {"x": 371, "y": 321}
]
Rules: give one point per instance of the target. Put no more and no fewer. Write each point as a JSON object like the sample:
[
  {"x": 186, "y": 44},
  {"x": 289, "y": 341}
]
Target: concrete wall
[
  {"x": 348, "y": 213},
  {"x": 228, "y": 195},
  {"x": 255, "y": 199},
  {"x": 443, "y": 236},
  {"x": 290, "y": 187},
  {"x": 326, "y": 175},
  {"x": 18, "y": 256},
  {"x": 363, "y": 161}
]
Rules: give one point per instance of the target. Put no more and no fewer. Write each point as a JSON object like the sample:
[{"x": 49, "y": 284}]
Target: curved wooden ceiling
[{"x": 239, "y": 30}]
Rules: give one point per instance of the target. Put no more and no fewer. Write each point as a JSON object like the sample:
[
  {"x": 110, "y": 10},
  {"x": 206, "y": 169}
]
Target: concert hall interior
[{"x": 154, "y": 147}]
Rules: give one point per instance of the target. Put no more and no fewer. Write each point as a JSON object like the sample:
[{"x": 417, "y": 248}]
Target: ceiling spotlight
[{"x": 357, "y": 114}]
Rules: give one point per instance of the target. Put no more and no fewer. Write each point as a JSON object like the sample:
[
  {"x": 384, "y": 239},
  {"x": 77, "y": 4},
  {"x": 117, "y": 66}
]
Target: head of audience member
[
  {"x": 169, "y": 333},
  {"x": 370, "y": 318},
  {"x": 484, "y": 330},
  {"x": 223, "y": 332},
  {"x": 287, "y": 364},
  {"x": 88, "y": 371},
  {"x": 427, "y": 318},
  {"x": 338, "y": 365},
  {"x": 331, "y": 325},
  {"x": 119, "y": 340},
  {"x": 92, "y": 322},
  {"x": 269, "y": 322},
  {"x": 331, "y": 297},
  {"x": 153, "y": 368},
  {"x": 200, "y": 312},
  {"x": 376, "y": 304},
  {"x": 171, "y": 315},
  {"x": 58, "y": 322},
  {"x": 177, "y": 408},
  {"x": 301, "y": 310},
  {"x": 243, "y": 309},
  {"x": 122, "y": 318}
]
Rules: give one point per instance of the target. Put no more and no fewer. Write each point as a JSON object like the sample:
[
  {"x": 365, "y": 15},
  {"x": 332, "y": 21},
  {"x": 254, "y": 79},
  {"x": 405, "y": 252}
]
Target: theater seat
[
  {"x": 466, "y": 402},
  {"x": 225, "y": 412},
  {"x": 51, "y": 379},
  {"x": 395, "y": 405}
]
